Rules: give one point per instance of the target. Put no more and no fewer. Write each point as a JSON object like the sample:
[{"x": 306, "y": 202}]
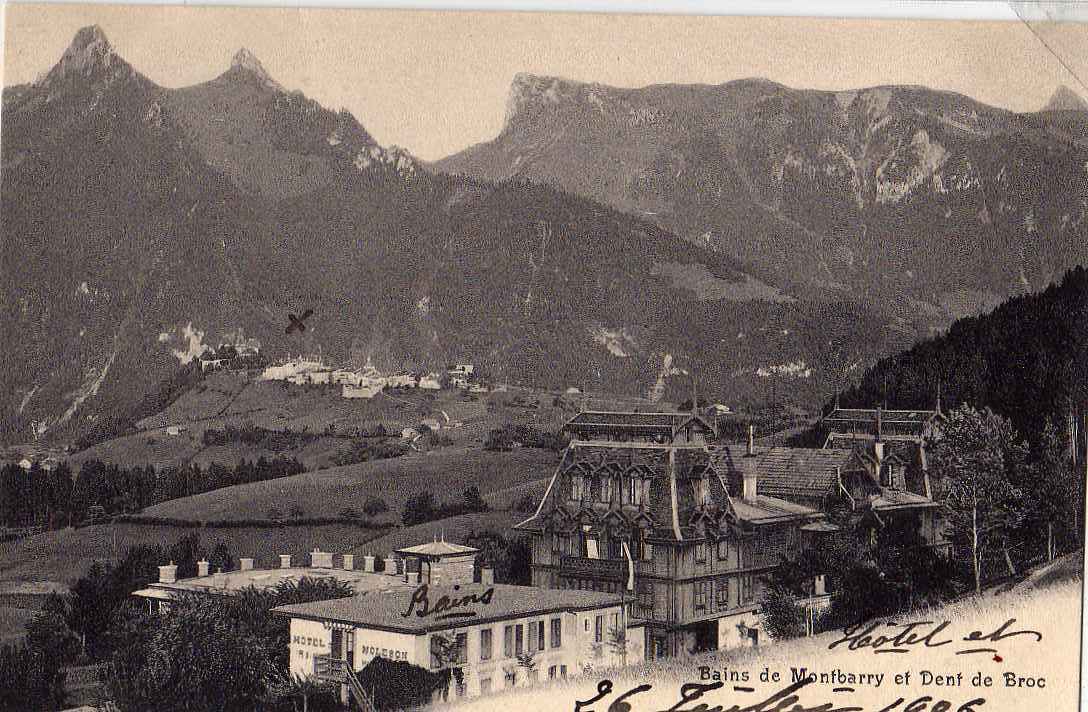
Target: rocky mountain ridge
[{"x": 862, "y": 192}]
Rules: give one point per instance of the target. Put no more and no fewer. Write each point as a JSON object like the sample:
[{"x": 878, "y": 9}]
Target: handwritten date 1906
[{"x": 785, "y": 700}]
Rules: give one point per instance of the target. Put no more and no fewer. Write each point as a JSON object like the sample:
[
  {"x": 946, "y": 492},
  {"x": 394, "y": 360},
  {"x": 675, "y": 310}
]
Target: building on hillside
[
  {"x": 844, "y": 485},
  {"x": 293, "y": 367},
  {"x": 212, "y": 364},
  {"x": 890, "y": 446},
  {"x": 430, "y": 382},
  {"x": 340, "y": 377},
  {"x": 845, "y": 426},
  {"x": 461, "y": 375},
  {"x": 402, "y": 380},
  {"x": 361, "y": 391},
  {"x": 497, "y": 636},
  {"x": 437, "y": 617},
  {"x": 641, "y": 506}
]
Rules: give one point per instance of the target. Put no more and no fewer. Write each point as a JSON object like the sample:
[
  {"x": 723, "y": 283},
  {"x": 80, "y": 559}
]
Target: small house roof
[{"x": 438, "y": 549}]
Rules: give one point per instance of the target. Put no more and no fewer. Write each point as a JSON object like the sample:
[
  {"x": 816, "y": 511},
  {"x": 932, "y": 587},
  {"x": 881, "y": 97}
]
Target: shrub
[
  {"x": 782, "y": 617},
  {"x": 375, "y": 506}
]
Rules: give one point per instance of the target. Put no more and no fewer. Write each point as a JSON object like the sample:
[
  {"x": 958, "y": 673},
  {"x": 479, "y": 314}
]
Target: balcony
[
  {"x": 330, "y": 669},
  {"x": 583, "y": 566}
]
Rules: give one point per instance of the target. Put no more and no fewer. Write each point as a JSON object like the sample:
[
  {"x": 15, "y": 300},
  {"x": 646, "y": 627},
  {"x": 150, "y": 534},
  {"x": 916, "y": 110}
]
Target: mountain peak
[
  {"x": 88, "y": 53},
  {"x": 534, "y": 92},
  {"x": 89, "y": 37},
  {"x": 1065, "y": 99},
  {"x": 246, "y": 61}
]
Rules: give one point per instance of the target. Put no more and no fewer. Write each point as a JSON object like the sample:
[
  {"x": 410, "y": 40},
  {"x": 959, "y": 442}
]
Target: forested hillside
[{"x": 1027, "y": 360}]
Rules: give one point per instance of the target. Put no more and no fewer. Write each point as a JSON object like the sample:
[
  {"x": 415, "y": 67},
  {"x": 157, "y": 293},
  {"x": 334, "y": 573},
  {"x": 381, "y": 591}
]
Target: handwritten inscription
[
  {"x": 692, "y": 696},
  {"x": 904, "y": 637},
  {"x": 446, "y": 607}
]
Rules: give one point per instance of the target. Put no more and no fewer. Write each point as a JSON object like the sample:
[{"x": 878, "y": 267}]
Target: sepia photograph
[{"x": 365, "y": 360}]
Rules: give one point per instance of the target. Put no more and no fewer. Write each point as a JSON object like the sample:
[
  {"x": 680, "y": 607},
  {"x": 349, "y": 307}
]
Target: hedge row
[{"x": 360, "y": 522}]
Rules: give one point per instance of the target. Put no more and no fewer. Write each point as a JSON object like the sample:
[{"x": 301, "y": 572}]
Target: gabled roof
[
  {"x": 664, "y": 423},
  {"x": 788, "y": 472}
]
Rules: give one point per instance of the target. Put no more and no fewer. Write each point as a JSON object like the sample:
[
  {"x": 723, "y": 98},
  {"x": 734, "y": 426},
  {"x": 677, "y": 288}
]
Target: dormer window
[
  {"x": 701, "y": 491},
  {"x": 893, "y": 476},
  {"x": 577, "y": 488},
  {"x": 606, "y": 489}
]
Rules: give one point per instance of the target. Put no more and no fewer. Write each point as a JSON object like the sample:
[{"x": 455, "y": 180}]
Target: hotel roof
[
  {"x": 785, "y": 472},
  {"x": 886, "y": 416},
  {"x": 641, "y": 422},
  {"x": 233, "y": 581},
  {"x": 388, "y": 610}
]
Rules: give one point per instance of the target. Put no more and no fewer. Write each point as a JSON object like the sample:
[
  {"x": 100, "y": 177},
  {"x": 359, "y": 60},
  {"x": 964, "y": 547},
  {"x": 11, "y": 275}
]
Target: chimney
[
  {"x": 202, "y": 568},
  {"x": 368, "y": 563},
  {"x": 487, "y": 576},
  {"x": 819, "y": 586},
  {"x": 748, "y": 465},
  {"x": 285, "y": 561},
  {"x": 390, "y": 566},
  {"x": 168, "y": 573},
  {"x": 245, "y": 564},
  {"x": 349, "y": 562}
]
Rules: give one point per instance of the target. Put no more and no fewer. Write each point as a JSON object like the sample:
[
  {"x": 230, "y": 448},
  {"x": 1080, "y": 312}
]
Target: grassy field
[
  {"x": 1054, "y": 611},
  {"x": 445, "y": 472},
  {"x": 224, "y": 399}
]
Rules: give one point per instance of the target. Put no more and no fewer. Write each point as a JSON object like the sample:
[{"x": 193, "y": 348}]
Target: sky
[{"x": 435, "y": 82}]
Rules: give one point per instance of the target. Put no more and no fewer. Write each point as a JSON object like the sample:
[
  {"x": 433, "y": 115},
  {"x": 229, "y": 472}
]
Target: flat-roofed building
[
  {"x": 224, "y": 583},
  {"x": 497, "y": 636}
]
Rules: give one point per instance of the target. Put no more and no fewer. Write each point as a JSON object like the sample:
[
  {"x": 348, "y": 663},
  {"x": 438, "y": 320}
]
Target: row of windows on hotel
[
  {"x": 709, "y": 595},
  {"x": 510, "y": 679},
  {"x": 626, "y": 490},
  {"x": 518, "y": 639},
  {"x": 589, "y": 545}
]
